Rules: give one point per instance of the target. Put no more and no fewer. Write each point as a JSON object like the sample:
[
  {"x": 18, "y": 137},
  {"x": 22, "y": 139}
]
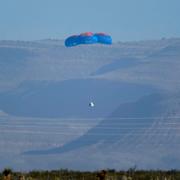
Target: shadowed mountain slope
[{"x": 130, "y": 123}]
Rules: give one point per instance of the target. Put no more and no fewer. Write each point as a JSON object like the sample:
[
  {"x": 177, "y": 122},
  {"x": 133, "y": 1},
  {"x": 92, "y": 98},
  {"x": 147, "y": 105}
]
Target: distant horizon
[{"x": 117, "y": 41}]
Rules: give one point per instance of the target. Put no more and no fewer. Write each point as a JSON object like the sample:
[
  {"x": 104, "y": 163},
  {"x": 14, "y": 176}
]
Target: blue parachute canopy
[
  {"x": 88, "y": 38},
  {"x": 72, "y": 41},
  {"x": 103, "y": 38}
]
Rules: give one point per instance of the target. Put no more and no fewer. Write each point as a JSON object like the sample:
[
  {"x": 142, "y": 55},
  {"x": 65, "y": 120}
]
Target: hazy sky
[{"x": 124, "y": 19}]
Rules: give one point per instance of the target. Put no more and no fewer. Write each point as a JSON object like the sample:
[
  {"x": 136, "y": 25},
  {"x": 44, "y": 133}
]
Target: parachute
[
  {"x": 103, "y": 38},
  {"x": 88, "y": 38},
  {"x": 72, "y": 41}
]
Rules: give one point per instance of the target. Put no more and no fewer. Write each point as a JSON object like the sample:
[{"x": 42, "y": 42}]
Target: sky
[{"x": 124, "y": 20}]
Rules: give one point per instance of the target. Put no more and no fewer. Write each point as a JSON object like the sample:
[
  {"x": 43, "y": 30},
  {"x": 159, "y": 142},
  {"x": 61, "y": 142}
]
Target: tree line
[{"x": 108, "y": 174}]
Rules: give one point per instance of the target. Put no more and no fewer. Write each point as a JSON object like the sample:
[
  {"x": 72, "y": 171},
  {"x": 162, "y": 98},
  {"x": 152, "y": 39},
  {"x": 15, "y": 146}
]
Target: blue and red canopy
[{"x": 88, "y": 38}]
